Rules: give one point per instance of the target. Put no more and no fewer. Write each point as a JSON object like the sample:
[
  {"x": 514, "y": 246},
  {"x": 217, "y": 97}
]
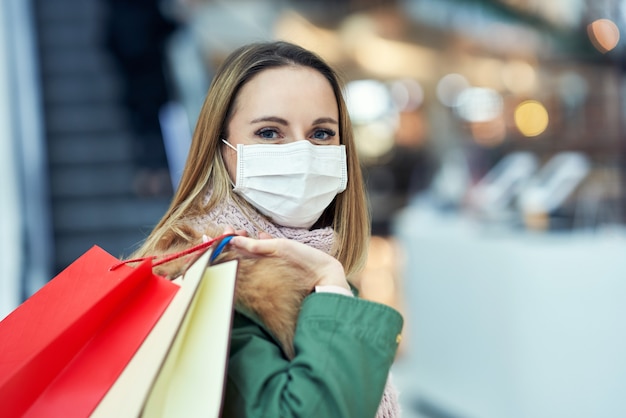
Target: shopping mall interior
[{"x": 490, "y": 134}]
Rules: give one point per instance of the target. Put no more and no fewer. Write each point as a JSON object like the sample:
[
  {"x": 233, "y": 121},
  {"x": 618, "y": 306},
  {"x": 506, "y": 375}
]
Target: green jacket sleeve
[{"x": 344, "y": 348}]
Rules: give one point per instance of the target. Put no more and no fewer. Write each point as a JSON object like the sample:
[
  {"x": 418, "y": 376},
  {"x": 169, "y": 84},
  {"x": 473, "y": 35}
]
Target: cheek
[{"x": 230, "y": 161}]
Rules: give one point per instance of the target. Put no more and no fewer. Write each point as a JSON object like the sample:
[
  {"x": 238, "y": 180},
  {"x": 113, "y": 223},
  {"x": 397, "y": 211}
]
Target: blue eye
[
  {"x": 267, "y": 133},
  {"x": 323, "y": 134}
]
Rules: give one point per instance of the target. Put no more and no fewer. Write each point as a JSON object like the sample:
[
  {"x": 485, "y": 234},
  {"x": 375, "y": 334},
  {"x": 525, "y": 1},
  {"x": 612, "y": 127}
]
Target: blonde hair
[{"x": 204, "y": 170}]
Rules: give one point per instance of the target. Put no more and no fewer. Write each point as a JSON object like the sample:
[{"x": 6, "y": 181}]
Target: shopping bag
[
  {"x": 180, "y": 369},
  {"x": 64, "y": 347}
]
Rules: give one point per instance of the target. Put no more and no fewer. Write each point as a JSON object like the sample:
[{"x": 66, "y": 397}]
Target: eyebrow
[
  {"x": 270, "y": 119},
  {"x": 282, "y": 121},
  {"x": 319, "y": 121}
]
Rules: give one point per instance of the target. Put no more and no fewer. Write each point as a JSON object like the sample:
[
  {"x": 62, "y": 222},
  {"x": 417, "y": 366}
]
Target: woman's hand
[{"x": 326, "y": 269}]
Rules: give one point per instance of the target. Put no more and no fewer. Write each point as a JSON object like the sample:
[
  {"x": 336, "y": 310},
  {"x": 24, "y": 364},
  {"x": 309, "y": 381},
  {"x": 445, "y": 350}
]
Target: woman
[{"x": 273, "y": 157}]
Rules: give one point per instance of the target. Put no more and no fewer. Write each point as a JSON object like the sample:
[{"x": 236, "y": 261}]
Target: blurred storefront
[{"x": 492, "y": 145}]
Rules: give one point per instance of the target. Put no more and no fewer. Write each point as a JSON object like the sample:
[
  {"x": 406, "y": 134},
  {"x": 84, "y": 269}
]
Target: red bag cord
[{"x": 174, "y": 256}]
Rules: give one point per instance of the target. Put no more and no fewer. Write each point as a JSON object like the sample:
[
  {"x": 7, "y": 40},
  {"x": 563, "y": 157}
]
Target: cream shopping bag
[{"x": 179, "y": 370}]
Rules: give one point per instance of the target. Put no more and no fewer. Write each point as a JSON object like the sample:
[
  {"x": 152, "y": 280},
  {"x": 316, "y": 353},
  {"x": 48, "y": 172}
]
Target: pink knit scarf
[
  {"x": 228, "y": 213},
  {"x": 389, "y": 406}
]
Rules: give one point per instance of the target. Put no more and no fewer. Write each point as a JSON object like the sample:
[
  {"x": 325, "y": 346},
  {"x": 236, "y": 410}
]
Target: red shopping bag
[
  {"x": 180, "y": 369},
  {"x": 64, "y": 347}
]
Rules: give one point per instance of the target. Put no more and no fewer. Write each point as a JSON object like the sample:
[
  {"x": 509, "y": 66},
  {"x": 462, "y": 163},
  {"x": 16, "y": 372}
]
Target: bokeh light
[
  {"x": 486, "y": 72},
  {"x": 479, "y": 104},
  {"x": 519, "y": 77},
  {"x": 531, "y": 118},
  {"x": 374, "y": 139},
  {"x": 603, "y": 34},
  {"x": 367, "y": 100},
  {"x": 449, "y": 88},
  {"x": 407, "y": 94}
]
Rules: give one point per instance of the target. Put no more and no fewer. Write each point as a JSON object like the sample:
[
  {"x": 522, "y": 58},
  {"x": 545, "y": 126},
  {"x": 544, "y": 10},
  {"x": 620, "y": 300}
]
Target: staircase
[{"x": 92, "y": 168}]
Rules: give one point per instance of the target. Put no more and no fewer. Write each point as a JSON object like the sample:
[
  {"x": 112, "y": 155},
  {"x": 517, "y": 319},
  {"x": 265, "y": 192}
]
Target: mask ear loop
[
  {"x": 229, "y": 144},
  {"x": 223, "y": 162}
]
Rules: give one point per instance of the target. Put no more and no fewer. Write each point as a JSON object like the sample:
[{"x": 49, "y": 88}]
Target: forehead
[{"x": 287, "y": 89}]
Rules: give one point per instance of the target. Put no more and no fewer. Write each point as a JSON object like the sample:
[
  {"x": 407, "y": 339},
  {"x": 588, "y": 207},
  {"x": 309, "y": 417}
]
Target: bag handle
[{"x": 220, "y": 242}]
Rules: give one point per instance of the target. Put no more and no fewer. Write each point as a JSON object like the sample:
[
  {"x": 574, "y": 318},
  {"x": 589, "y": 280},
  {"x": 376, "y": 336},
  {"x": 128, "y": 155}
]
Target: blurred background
[{"x": 492, "y": 139}]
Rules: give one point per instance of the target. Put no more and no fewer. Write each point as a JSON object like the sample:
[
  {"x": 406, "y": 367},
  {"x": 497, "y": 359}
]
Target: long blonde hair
[{"x": 205, "y": 170}]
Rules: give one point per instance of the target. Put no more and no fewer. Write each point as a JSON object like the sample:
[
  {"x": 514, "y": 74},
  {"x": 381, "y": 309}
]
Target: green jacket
[{"x": 344, "y": 349}]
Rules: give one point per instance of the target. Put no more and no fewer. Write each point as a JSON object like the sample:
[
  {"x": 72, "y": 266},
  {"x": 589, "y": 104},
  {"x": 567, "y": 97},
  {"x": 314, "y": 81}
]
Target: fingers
[
  {"x": 254, "y": 246},
  {"x": 250, "y": 244},
  {"x": 321, "y": 267}
]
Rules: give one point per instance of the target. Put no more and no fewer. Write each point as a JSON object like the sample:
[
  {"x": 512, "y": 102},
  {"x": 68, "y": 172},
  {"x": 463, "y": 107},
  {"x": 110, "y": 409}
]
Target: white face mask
[{"x": 290, "y": 183}]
